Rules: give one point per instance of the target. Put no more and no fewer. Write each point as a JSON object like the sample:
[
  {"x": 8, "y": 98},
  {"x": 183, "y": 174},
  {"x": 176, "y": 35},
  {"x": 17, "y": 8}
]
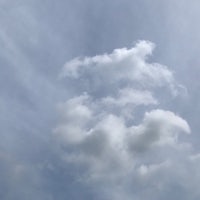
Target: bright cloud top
[
  {"x": 121, "y": 67},
  {"x": 99, "y": 128}
]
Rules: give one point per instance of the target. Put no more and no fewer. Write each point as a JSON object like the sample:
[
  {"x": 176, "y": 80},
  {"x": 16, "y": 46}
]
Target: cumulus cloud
[
  {"x": 122, "y": 67},
  {"x": 158, "y": 128},
  {"x": 101, "y": 132}
]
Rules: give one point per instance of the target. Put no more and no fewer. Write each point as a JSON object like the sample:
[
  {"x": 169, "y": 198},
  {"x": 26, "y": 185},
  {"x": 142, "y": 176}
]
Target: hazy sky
[{"x": 99, "y": 99}]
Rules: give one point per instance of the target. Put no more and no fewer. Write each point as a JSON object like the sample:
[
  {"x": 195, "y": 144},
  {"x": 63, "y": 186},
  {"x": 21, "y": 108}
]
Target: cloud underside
[{"x": 115, "y": 130}]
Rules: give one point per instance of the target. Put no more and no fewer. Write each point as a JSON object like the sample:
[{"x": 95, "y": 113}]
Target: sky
[{"x": 99, "y": 99}]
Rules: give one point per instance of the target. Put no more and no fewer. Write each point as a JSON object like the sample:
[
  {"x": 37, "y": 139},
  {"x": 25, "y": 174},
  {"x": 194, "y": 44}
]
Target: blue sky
[{"x": 99, "y": 99}]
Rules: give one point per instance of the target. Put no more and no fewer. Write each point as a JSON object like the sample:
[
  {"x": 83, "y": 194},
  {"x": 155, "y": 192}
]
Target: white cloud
[
  {"x": 131, "y": 96},
  {"x": 75, "y": 117},
  {"x": 122, "y": 67},
  {"x": 100, "y": 131},
  {"x": 160, "y": 128}
]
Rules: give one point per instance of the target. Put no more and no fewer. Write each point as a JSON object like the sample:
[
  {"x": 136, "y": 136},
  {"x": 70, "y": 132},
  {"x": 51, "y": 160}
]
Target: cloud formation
[
  {"x": 121, "y": 67},
  {"x": 113, "y": 128},
  {"x": 84, "y": 159}
]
